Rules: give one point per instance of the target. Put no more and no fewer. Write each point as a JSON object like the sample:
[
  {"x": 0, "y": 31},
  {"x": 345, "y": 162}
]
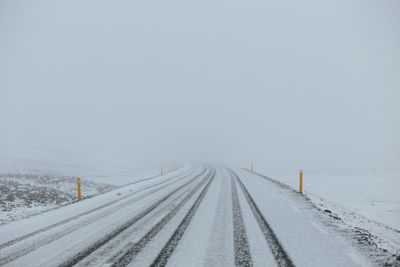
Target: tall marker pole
[
  {"x": 301, "y": 182},
  {"x": 79, "y": 188}
]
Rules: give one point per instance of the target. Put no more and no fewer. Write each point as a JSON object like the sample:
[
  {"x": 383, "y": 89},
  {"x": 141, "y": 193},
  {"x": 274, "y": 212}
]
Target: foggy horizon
[{"x": 281, "y": 84}]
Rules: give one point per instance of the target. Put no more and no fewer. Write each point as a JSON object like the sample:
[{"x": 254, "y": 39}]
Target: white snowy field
[
  {"x": 30, "y": 187},
  {"x": 26, "y": 194},
  {"x": 113, "y": 176},
  {"x": 373, "y": 193}
]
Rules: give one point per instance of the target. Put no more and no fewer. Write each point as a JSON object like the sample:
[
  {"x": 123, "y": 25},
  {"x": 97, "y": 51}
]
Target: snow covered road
[{"x": 198, "y": 215}]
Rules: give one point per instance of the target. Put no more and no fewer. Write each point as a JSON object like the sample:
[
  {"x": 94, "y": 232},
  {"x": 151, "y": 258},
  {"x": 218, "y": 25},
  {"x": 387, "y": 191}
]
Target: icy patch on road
[{"x": 26, "y": 194}]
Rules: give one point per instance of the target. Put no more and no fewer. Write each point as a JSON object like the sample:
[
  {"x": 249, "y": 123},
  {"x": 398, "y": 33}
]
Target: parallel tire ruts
[
  {"x": 47, "y": 228},
  {"x": 87, "y": 251},
  {"x": 280, "y": 255},
  {"x": 26, "y": 250},
  {"x": 168, "y": 249},
  {"x": 126, "y": 255}
]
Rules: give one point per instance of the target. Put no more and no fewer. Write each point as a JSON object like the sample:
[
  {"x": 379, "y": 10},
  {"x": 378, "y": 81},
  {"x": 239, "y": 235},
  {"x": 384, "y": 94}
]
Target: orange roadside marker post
[
  {"x": 301, "y": 182},
  {"x": 79, "y": 188}
]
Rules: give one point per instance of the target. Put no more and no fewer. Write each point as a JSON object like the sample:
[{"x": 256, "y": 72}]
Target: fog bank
[{"x": 129, "y": 83}]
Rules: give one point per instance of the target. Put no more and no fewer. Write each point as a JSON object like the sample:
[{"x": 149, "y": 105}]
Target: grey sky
[{"x": 282, "y": 83}]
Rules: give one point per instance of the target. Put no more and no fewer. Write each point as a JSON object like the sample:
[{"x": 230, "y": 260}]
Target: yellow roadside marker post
[
  {"x": 301, "y": 182},
  {"x": 79, "y": 188},
  {"x": 162, "y": 171}
]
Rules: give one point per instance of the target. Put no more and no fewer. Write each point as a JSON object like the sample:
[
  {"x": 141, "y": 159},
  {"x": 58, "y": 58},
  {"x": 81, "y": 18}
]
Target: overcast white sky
[{"x": 312, "y": 84}]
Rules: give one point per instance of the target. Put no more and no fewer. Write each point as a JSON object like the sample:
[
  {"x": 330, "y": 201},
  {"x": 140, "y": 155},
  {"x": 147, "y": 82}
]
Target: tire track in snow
[
  {"x": 240, "y": 240},
  {"x": 280, "y": 255},
  {"x": 103, "y": 255},
  {"x": 47, "y": 228},
  {"x": 219, "y": 249},
  {"x": 127, "y": 254},
  {"x": 24, "y": 250},
  {"x": 31, "y": 247},
  {"x": 87, "y": 251},
  {"x": 168, "y": 249}
]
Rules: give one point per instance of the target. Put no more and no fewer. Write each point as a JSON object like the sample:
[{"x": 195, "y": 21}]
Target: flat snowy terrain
[
  {"x": 196, "y": 215},
  {"x": 373, "y": 193}
]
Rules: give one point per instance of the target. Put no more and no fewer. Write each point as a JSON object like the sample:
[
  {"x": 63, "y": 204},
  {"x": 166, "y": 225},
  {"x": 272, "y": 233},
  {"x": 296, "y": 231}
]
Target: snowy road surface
[{"x": 194, "y": 216}]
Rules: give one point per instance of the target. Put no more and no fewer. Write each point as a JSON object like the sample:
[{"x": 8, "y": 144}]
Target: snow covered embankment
[{"x": 26, "y": 194}]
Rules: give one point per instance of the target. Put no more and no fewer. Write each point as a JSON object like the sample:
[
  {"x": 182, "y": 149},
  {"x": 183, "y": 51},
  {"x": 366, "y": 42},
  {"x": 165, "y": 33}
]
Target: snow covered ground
[
  {"x": 30, "y": 187},
  {"x": 197, "y": 215},
  {"x": 26, "y": 194},
  {"x": 373, "y": 193},
  {"x": 366, "y": 201}
]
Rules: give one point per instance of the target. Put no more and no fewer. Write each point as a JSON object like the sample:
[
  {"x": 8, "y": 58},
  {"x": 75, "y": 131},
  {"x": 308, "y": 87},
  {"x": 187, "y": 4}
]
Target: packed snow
[{"x": 196, "y": 214}]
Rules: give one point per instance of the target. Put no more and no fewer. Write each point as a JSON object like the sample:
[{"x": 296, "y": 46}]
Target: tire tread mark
[
  {"x": 240, "y": 240},
  {"x": 22, "y": 252},
  {"x": 168, "y": 249},
  {"x": 280, "y": 255},
  {"x": 88, "y": 250},
  {"x": 127, "y": 254},
  {"x": 109, "y": 249},
  {"x": 47, "y": 228}
]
